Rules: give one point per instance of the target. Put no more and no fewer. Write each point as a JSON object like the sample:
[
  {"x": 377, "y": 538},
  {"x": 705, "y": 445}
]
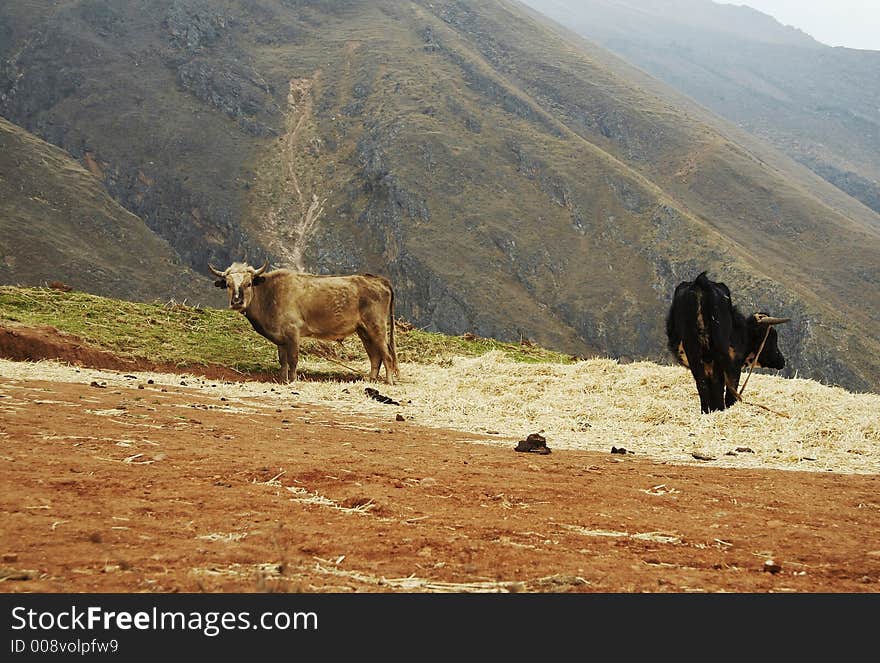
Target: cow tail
[{"x": 392, "y": 346}]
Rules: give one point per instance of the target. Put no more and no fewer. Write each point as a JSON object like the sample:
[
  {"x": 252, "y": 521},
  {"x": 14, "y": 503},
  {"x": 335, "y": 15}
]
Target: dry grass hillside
[
  {"x": 816, "y": 103},
  {"x": 58, "y": 224}
]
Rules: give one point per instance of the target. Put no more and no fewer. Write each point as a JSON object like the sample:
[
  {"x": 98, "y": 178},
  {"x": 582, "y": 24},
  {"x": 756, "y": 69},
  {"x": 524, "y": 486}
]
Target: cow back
[
  {"x": 327, "y": 307},
  {"x": 701, "y": 311}
]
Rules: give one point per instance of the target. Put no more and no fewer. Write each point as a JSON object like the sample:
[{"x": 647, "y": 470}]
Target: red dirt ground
[{"x": 167, "y": 492}]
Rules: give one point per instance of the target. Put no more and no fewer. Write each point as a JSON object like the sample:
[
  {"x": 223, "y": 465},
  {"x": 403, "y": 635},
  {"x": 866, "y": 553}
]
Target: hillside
[
  {"x": 816, "y": 103},
  {"x": 57, "y": 223},
  {"x": 181, "y": 336},
  {"x": 512, "y": 182}
]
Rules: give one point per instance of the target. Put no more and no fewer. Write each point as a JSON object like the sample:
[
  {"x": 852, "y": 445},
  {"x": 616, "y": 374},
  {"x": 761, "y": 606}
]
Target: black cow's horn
[
  {"x": 262, "y": 269},
  {"x": 767, "y": 320},
  {"x": 216, "y": 271}
]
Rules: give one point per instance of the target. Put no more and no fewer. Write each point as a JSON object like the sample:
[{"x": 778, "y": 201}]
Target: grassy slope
[
  {"x": 58, "y": 223},
  {"x": 187, "y": 335}
]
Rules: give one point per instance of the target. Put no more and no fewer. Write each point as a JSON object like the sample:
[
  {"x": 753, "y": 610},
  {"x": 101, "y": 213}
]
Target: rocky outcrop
[
  {"x": 233, "y": 89},
  {"x": 195, "y": 24}
]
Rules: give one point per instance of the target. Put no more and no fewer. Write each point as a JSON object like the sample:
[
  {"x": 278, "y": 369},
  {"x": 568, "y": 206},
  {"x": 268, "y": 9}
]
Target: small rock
[
  {"x": 771, "y": 566},
  {"x": 428, "y": 481},
  {"x": 150, "y": 381},
  {"x": 744, "y": 450},
  {"x": 60, "y": 285},
  {"x": 701, "y": 456},
  {"x": 10, "y": 557},
  {"x": 95, "y": 537},
  {"x": 618, "y": 450},
  {"x": 534, "y": 443},
  {"x": 98, "y": 385},
  {"x": 400, "y": 417}
]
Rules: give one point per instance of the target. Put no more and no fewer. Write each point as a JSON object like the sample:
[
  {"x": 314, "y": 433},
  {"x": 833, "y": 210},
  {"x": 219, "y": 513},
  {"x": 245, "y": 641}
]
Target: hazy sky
[{"x": 852, "y": 23}]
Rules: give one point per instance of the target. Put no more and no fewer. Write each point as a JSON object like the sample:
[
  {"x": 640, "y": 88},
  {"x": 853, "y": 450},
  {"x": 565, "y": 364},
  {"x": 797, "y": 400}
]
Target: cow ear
[
  {"x": 220, "y": 283},
  {"x": 257, "y": 280}
]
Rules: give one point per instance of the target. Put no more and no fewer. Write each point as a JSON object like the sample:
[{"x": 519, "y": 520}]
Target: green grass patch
[{"x": 190, "y": 336}]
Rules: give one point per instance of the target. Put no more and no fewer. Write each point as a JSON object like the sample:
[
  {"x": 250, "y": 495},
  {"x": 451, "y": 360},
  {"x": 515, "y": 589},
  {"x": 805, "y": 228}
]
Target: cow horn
[
  {"x": 263, "y": 268},
  {"x": 216, "y": 271},
  {"x": 767, "y": 320}
]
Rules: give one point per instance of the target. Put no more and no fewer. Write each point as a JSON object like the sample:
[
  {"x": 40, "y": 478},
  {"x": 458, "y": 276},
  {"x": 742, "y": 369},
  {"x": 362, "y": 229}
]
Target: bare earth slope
[{"x": 123, "y": 482}]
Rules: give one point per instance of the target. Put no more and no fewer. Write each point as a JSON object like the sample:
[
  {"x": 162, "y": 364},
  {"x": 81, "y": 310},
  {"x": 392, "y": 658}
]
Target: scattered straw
[
  {"x": 656, "y": 537},
  {"x": 591, "y": 405},
  {"x": 225, "y": 537}
]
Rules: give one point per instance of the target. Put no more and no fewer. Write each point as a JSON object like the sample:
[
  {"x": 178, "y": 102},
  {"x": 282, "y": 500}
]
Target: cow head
[
  {"x": 770, "y": 356},
  {"x": 239, "y": 279}
]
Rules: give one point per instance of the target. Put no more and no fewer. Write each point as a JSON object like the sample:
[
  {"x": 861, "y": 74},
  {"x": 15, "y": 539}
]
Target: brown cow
[{"x": 285, "y": 306}]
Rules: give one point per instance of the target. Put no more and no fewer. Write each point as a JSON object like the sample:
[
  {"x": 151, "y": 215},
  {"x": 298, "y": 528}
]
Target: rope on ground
[{"x": 738, "y": 394}]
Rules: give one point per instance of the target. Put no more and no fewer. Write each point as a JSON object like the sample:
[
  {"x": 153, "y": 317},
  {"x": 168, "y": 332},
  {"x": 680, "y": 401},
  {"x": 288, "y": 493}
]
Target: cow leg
[
  {"x": 373, "y": 352},
  {"x": 293, "y": 356},
  {"x": 703, "y": 389},
  {"x": 716, "y": 389},
  {"x": 732, "y": 386},
  {"x": 388, "y": 359},
  {"x": 288, "y": 355},
  {"x": 283, "y": 360},
  {"x": 695, "y": 363}
]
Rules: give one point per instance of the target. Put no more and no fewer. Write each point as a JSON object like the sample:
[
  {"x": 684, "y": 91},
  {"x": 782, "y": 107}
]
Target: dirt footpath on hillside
[{"x": 166, "y": 488}]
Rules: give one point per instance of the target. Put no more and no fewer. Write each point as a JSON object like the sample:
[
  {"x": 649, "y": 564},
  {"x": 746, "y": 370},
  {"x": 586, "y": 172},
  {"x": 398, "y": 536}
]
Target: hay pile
[{"x": 649, "y": 409}]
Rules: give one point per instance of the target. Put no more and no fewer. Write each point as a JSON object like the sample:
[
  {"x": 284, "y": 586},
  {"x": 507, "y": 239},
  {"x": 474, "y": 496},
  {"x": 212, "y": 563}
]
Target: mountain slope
[
  {"x": 512, "y": 181},
  {"x": 58, "y": 223},
  {"x": 816, "y": 103}
]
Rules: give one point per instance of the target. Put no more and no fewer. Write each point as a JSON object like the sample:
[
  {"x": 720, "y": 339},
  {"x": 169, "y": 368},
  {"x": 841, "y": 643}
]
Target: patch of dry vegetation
[{"x": 646, "y": 408}]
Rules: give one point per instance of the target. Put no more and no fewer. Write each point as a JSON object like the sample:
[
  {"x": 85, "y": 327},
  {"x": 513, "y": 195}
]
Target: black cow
[{"x": 709, "y": 335}]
